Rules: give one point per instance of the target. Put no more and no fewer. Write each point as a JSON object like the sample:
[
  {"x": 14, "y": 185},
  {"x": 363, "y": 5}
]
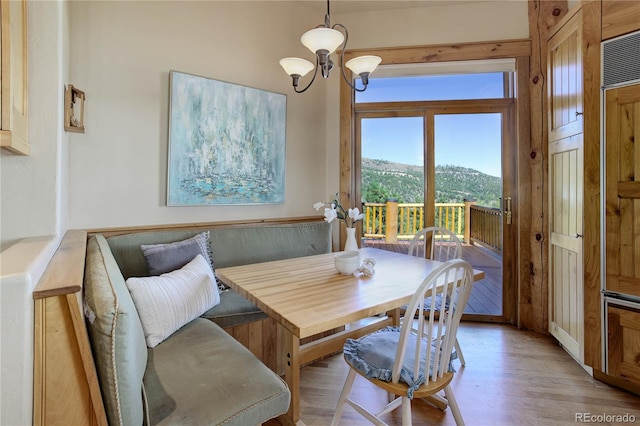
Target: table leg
[
  {"x": 292, "y": 377},
  {"x": 395, "y": 317}
]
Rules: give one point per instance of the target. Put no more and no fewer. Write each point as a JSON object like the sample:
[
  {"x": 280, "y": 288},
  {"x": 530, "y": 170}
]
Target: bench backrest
[
  {"x": 230, "y": 246},
  {"x": 116, "y": 335}
]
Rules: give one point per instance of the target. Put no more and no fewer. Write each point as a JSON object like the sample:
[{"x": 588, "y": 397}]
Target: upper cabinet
[
  {"x": 619, "y": 17},
  {"x": 13, "y": 71},
  {"x": 565, "y": 80}
]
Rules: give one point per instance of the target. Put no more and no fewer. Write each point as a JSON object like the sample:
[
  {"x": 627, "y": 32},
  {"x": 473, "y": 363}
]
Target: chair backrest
[
  {"x": 431, "y": 354},
  {"x": 436, "y": 243}
]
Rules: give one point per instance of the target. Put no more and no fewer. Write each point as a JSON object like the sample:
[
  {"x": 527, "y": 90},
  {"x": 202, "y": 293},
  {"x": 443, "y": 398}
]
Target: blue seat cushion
[{"x": 373, "y": 357}]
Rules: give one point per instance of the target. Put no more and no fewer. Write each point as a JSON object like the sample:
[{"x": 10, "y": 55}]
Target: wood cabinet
[
  {"x": 619, "y": 17},
  {"x": 622, "y": 191},
  {"x": 14, "y": 76},
  {"x": 623, "y": 337},
  {"x": 566, "y": 171},
  {"x": 622, "y": 237}
]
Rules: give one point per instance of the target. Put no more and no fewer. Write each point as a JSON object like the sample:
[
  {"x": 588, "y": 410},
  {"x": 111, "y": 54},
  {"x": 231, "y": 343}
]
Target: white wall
[
  {"x": 453, "y": 23},
  {"x": 122, "y": 53},
  {"x": 32, "y": 187},
  {"x": 34, "y": 203}
]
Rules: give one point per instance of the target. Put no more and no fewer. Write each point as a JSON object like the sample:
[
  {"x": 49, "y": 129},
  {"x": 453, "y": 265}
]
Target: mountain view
[{"x": 383, "y": 179}]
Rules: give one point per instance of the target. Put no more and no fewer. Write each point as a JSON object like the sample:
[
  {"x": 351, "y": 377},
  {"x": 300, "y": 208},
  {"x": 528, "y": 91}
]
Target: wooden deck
[{"x": 486, "y": 297}]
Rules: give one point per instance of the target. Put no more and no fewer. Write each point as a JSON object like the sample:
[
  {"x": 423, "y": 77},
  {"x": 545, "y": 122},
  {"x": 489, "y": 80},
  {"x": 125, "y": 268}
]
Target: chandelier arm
[
  {"x": 342, "y": 67},
  {"x": 315, "y": 72}
]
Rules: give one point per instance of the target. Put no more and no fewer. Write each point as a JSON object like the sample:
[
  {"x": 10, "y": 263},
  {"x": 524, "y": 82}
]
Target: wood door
[
  {"x": 622, "y": 127},
  {"x": 566, "y": 173},
  {"x": 565, "y": 252}
]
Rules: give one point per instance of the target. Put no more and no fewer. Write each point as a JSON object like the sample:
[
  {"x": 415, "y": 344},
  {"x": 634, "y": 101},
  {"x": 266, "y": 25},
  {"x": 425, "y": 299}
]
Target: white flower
[
  {"x": 355, "y": 214},
  {"x": 335, "y": 211},
  {"x": 330, "y": 214}
]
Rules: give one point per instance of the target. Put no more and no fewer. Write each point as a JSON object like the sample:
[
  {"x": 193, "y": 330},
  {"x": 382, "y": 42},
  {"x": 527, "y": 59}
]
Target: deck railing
[
  {"x": 393, "y": 221},
  {"x": 485, "y": 227}
]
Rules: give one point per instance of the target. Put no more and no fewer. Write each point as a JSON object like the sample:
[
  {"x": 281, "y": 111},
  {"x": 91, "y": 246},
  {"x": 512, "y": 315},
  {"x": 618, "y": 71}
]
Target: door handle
[{"x": 507, "y": 209}]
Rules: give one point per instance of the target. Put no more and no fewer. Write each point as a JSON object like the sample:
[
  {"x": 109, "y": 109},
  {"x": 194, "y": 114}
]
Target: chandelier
[{"x": 323, "y": 41}]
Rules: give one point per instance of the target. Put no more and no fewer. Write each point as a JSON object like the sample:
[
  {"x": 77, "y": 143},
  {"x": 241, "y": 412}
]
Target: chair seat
[
  {"x": 401, "y": 389},
  {"x": 427, "y": 305},
  {"x": 373, "y": 356}
]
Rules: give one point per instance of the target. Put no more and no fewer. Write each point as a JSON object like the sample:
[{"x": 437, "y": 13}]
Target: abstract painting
[{"x": 226, "y": 143}]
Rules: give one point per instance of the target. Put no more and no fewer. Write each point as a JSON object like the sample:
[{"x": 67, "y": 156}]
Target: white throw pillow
[{"x": 167, "y": 302}]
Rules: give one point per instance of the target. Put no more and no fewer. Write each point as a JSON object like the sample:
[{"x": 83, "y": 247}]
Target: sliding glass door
[{"x": 443, "y": 165}]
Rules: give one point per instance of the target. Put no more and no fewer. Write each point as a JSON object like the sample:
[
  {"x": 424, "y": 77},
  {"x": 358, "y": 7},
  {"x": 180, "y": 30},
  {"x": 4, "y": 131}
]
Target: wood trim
[
  {"x": 430, "y": 168},
  {"x": 562, "y": 22},
  {"x": 447, "y": 52},
  {"x": 349, "y": 192},
  {"x": 510, "y": 231},
  {"x": 111, "y": 232},
  {"x": 533, "y": 286},
  {"x": 65, "y": 272},
  {"x": 629, "y": 189},
  {"x": 527, "y": 157},
  {"x": 416, "y": 108},
  {"x": 591, "y": 35},
  {"x": 66, "y": 388},
  {"x": 619, "y": 17}
]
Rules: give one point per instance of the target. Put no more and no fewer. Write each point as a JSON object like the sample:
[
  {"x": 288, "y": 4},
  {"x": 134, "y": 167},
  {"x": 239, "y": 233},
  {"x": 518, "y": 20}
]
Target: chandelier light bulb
[
  {"x": 363, "y": 64},
  {"x": 296, "y": 66},
  {"x": 322, "y": 39}
]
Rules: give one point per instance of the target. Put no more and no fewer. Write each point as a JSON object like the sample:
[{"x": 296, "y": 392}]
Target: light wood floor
[{"x": 512, "y": 377}]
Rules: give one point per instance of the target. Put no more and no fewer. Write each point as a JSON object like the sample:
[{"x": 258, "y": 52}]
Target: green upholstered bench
[
  {"x": 199, "y": 374},
  {"x": 230, "y": 246}
]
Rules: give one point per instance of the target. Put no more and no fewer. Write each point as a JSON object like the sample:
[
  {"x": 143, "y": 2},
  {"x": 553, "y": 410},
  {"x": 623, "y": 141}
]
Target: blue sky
[{"x": 468, "y": 140}]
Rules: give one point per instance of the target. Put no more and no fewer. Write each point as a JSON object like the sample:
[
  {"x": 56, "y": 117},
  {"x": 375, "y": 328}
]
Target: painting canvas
[{"x": 226, "y": 143}]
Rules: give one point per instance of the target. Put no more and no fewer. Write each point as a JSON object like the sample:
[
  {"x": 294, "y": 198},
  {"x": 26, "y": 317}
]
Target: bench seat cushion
[
  {"x": 233, "y": 310},
  {"x": 201, "y": 375}
]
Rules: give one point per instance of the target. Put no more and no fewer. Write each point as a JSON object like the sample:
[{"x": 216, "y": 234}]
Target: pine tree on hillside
[{"x": 383, "y": 179}]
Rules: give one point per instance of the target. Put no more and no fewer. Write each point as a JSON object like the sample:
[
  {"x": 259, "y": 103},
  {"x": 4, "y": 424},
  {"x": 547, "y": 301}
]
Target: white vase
[{"x": 351, "y": 244}]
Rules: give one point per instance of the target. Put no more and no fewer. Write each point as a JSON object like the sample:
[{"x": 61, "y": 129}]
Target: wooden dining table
[{"x": 307, "y": 296}]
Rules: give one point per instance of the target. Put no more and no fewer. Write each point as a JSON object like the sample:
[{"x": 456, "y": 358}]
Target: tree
[{"x": 375, "y": 193}]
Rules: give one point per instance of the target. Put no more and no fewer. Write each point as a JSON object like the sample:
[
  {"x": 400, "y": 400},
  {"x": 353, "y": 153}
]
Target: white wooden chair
[
  {"x": 439, "y": 244},
  {"x": 414, "y": 360},
  {"x": 436, "y": 243}
]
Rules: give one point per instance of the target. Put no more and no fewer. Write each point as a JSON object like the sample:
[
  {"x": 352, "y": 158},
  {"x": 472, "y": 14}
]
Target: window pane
[
  {"x": 468, "y": 145},
  {"x": 433, "y": 88},
  {"x": 392, "y": 159}
]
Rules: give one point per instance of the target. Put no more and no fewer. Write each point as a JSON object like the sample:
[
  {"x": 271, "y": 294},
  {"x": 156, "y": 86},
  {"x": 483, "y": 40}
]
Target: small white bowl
[{"x": 347, "y": 262}]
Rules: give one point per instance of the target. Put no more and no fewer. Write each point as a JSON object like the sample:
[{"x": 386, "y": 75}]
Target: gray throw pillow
[{"x": 162, "y": 258}]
